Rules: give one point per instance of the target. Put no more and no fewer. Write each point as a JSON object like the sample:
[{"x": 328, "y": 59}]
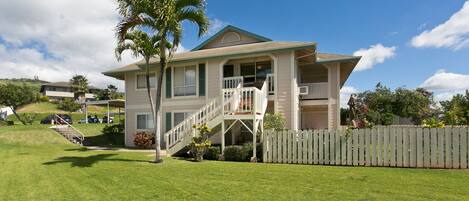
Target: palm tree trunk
[
  {"x": 158, "y": 106},
  {"x": 150, "y": 98},
  {"x": 18, "y": 116}
]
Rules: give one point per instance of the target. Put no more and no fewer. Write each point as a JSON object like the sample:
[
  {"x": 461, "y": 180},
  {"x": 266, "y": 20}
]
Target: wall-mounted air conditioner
[{"x": 303, "y": 90}]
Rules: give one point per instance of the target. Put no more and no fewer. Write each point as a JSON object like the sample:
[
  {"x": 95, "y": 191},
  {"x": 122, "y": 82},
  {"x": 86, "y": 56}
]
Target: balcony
[
  {"x": 238, "y": 81},
  {"x": 316, "y": 91}
]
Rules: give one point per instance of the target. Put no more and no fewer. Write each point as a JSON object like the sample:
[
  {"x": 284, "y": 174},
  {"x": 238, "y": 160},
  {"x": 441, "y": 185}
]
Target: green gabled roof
[{"x": 225, "y": 29}]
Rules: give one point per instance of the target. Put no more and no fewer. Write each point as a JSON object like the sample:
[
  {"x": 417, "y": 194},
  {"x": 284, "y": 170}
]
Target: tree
[
  {"x": 109, "y": 93},
  {"x": 456, "y": 110},
  {"x": 15, "y": 96},
  {"x": 112, "y": 91},
  {"x": 79, "y": 84},
  {"x": 164, "y": 18},
  {"x": 141, "y": 44},
  {"x": 382, "y": 105},
  {"x": 69, "y": 105}
]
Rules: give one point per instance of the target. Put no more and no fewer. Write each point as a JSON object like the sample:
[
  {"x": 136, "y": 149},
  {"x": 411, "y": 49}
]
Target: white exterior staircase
[
  {"x": 234, "y": 103},
  {"x": 69, "y": 132}
]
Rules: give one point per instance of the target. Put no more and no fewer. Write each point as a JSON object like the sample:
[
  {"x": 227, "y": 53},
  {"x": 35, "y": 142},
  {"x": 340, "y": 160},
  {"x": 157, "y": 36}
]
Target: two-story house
[
  {"x": 230, "y": 81},
  {"x": 62, "y": 90}
]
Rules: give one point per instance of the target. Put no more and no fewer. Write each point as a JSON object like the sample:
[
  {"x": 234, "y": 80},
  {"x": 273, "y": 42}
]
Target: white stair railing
[
  {"x": 207, "y": 113},
  {"x": 76, "y": 134},
  {"x": 233, "y": 101}
]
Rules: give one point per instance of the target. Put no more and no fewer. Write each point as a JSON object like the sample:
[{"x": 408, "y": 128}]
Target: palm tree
[
  {"x": 164, "y": 18},
  {"x": 79, "y": 84},
  {"x": 140, "y": 44}
]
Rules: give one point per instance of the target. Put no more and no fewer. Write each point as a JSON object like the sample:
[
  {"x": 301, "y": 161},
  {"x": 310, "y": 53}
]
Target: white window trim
[
  {"x": 136, "y": 121},
  {"x": 196, "y": 64},
  {"x": 144, "y": 88}
]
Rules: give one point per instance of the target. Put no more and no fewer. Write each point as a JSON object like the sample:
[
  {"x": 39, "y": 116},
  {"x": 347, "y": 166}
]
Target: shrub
[
  {"x": 212, "y": 153},
  {"x": 115, "y": 129},
  {"x": 247, "y": 149},
  {"x": 200, "y": 143},
  {"x": 43, "y": 98},
  {"x": 144, "y": 140},
  {"x": 242, "y": 153},
  {"x": 274, "y": 121},
  {"x": 69, "y": 105},
  {"x": 234, "y": 153},
  {"x": 433, "y": 123},
  {"x": 28, "y": 117}
]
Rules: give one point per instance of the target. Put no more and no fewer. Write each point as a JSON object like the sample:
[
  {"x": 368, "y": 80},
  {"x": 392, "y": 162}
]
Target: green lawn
[
  {"x": 37, "y": 164},
  {"x": 49, "y": 107},
  {"x": 94, "y": 136},
  {"x": 43, "y": 109}
]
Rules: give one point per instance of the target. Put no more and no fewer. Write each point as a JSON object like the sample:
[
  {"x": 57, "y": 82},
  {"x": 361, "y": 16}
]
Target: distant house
[{"x": 61, "y": 90}]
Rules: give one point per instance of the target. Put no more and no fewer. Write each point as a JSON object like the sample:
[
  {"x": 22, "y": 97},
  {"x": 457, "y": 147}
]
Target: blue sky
[
  {"x": 403, "y": 43},
  {"x": 346, "y": 26}
]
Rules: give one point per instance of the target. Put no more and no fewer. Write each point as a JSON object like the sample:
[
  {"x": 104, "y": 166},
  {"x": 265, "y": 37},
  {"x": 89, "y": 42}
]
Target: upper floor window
[
  {"x": 185, "y": 81},
  {"x": 142, "y": 81}
]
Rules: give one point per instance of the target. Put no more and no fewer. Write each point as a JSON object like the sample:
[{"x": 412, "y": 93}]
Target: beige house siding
[
  {"x": 218, "y": 42},
  {"x": 314, "y": 118},
  {"x": 334, "y": 95},
  {"x": 283, "y": 73},
  {"x": 214, "y": 78}
]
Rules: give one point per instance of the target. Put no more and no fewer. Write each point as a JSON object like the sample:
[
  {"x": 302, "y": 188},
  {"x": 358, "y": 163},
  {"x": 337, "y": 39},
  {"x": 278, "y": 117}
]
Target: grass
[
  {"x": 37, "y": 164},
  {"x": 94, "y": 137},
  {"x": 49, "y": 107},
  {"x": 43, "y": 109}
]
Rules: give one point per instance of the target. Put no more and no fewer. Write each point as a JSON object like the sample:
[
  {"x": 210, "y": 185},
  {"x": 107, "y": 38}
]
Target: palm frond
[{"x": 195, "y": 16}]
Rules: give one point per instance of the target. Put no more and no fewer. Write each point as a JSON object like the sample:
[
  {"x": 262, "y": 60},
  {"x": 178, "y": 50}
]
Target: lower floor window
[
  {"x": 145, "y": 121},
  {"x": 179, "y": 117}
]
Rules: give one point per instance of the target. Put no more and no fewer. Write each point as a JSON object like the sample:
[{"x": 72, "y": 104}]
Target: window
[
  {"x": 185, "y": 81},
  {"x": 248, "y": 71},
  {"x": 179, "y": 117},
  {"x": 142, "y": 81},
  {"x": 228, "y": 71},
  {"x": 145, "y": 121}
]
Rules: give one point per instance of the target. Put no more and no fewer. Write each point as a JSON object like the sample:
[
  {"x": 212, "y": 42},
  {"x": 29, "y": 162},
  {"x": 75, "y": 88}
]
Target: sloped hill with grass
[{"x": 36, "y": 84}]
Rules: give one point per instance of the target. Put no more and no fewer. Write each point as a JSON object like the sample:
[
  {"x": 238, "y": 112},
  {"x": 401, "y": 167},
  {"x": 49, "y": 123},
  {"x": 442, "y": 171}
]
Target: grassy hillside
[
  {"x": 42, "y": 110},
  {"x": 36, "y": 84},
  {"x": 48, "y": 107}
]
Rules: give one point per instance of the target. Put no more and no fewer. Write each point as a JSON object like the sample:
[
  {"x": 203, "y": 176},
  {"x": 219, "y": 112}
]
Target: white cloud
[
  {"x": 58, "y": 39},
  {"x": 376, "y": 54},
  {"x": 454, "y": 33},
  {"x": 215, "y": 26},
  {"x": 345, "y": 93},
  {"x": 181, "y": 49},
  {"x": 445, "y": 84}
]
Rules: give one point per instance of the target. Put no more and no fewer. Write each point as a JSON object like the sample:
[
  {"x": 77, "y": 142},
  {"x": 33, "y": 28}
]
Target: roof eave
[{"x": 353, "y": 58}]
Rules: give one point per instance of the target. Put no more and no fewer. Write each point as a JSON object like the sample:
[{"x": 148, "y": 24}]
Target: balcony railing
[
  {"x": 233, "y": 82},
  {"x": 315, "y": 91}
]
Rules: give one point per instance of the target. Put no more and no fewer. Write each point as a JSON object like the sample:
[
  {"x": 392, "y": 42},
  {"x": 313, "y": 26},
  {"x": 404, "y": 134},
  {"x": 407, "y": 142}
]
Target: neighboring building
[
  {"x": 61, "y": 90},
  {"x": 230, "y": 81}
]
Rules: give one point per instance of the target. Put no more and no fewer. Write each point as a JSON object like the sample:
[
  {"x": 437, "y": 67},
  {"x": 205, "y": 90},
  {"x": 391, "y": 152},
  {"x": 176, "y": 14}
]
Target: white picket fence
[{"x": 382, "y": 146}]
